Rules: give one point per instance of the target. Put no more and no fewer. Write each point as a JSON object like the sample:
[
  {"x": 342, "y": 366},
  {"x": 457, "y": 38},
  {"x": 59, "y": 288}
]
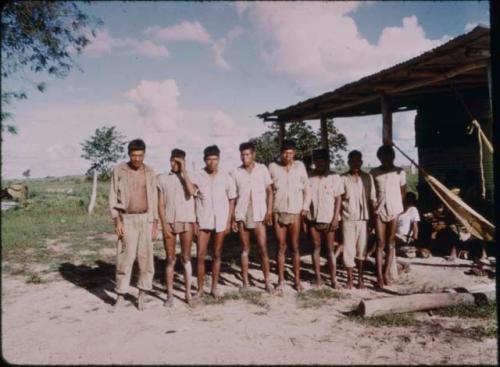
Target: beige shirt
[
  {"x": 179, "y": 206},
  {"x": 291, "y": 189},
  {"x": 324, "y": 190},
  {"x": 388, "y": 185},
  {"x": 251, "y": 187},
  {"x": 359, "y": 192},
  {"x": 119, "y": 193},
  {"x": 138, "y": 201},
  {"x": 212, "y": 199}
]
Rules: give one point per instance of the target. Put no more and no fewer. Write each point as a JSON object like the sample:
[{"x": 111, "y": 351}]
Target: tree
[
  {"x": 27, "y": 173},
  {"x": 306, "y": 138},
  {"x": 41, "y": 36},
  {"x": 103, "y": 149}
]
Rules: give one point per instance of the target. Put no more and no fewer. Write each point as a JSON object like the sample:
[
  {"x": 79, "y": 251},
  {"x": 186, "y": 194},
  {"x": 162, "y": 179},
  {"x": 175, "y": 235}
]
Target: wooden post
[
  {"x": 94, "y": 193},
  {"x": 386, "y": 119},
  {"x": 324, "y": 133},
  {"x": 281, "y": 133}
]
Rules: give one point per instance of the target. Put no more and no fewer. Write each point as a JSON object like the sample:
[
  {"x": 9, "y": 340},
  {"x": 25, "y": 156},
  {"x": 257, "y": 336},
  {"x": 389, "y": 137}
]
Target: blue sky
[{"x": 189, "y": 74}]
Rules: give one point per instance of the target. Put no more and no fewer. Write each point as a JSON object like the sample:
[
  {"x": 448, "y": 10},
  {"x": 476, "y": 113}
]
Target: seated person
[{"x": 407, "y": 229}]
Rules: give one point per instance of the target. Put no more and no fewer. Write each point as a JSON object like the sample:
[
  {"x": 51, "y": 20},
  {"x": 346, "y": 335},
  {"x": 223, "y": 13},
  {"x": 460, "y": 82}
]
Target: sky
[{"x": 192, "y": 74}]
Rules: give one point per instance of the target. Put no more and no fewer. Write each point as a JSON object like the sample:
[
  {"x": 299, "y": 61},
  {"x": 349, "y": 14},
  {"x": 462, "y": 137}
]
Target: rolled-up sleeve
[
  {"x": 373, "y": 193},
  {"x": 113, "y": 195},
  {"x": 231, "y": 187}
]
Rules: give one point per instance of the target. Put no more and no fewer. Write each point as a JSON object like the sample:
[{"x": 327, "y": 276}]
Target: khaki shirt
[
  {"x": 324, "y": 190},
  {"x": 212, "y": 199},
  {"x": 119, "y": 191},
  {"x": 179, "y": 206},
  {"x": 359, "y": 196},
  {"x": 388, "y": 185},
  {"x": 291, "y": 189},
  {"x": 251, "y": 187}
]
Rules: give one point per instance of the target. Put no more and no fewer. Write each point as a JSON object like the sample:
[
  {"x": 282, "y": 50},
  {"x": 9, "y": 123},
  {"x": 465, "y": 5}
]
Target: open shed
[{"x": 448, "y": 86}]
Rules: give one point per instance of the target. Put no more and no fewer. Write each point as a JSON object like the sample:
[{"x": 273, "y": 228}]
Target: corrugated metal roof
[{"x": 454, "y": 53}]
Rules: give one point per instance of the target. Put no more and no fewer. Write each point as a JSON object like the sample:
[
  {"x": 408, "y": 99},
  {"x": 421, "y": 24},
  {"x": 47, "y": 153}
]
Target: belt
[{"x": 143, "y": 212}]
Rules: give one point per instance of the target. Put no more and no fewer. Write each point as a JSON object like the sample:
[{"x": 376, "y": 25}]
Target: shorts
[
  {"x": 285, "y": 218},
  {"x": 321, "y": 227},
  {"x": 180, "y": 227}
]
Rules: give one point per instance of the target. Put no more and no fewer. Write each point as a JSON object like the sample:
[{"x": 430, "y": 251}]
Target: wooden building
[{"x": 448, "y": 86}]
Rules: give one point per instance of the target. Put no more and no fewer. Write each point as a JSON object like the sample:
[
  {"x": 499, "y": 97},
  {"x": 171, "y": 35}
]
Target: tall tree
[
  {"x": 42, "y": 37},
  {"x": 103, "y": 149},
  {"x": 306, "y": 138}
]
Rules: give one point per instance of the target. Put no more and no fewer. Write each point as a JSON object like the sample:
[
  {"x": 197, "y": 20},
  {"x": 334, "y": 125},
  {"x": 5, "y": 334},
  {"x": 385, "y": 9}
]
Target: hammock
[{"x": 475, "y": 223}]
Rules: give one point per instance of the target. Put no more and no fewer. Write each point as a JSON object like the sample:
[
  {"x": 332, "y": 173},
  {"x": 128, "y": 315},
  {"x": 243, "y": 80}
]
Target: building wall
[{"x": 447, "y": 152}]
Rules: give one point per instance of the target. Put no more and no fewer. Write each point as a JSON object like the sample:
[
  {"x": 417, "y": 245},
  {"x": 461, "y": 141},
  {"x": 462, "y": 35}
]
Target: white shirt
[
  {"x": 406, "y": 219},
  {"x": 358, "y": 192},
  {"x": 212, "y": 199},
  {"x": 178, "y": 206},
  {"x": 291, "y": 189},
  {"x": 324, "y": 190},
  {"x": 251, "y": 185},
  {"x": 388, "y": 185}
]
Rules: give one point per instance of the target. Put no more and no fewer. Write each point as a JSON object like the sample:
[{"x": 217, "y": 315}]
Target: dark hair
[
  {"x": 321, "y": 154},
  {"x": 288, "y": 144},
  {"x": 177, "y": 153},
  {"x": 386, "y": 150},
  {"x": 354, "y": 153},
  {"x": 247, "y": 145},
  {"x": 136, "y": 144},
  {"x": 211, "y": 150},
  {"x": 410, "y": 198}
]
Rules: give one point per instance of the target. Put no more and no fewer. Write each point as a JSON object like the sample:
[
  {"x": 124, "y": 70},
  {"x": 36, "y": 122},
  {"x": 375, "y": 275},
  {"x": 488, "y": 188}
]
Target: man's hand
[
  {"x": 234, "y": 225},
  {"x": 268, "y": 219},
  {"x": 334, "y": 224},
  {"x": 181, "y": 163},
  {"x": 154, "y": 231},
  {"x": 196, "y": 229},
  {"x": 119, "y": 230}
]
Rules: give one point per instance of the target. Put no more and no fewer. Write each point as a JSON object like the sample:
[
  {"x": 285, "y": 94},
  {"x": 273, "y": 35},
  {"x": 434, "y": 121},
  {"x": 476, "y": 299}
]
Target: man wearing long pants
[{"x": 133, "y": 202}]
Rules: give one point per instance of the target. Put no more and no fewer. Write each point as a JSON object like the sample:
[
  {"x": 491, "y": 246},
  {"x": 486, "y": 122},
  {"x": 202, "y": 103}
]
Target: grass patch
[
  {"x": 34, "y": 278},
  {"x": 488, "y": 311},
  {"x": 314, "y": 298},
  {"x": 250, "y": 296},
  {"x": 487, "y": 331},
  {"x": 390, "y": 320}
]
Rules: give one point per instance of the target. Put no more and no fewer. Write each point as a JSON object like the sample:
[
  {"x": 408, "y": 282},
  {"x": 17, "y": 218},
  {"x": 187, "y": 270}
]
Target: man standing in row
[
  {"x": 291, "y": 201},
  {"x": 253, "y": 209},
  {"x": 215, "y": 194},
  {"x": 177, "y": 216},
  {"x": 133, "y": 202},
  {"x": 323, "y": 218},
  {"x": 358, "y": 203}
]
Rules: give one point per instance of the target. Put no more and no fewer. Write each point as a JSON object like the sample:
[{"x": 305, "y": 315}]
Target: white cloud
[
  {"x": 318, "y": 45},
  {"x": 104, "y": 43},
  {"x": 219, "y": 46},
  {"x": 183, "y": 31}
]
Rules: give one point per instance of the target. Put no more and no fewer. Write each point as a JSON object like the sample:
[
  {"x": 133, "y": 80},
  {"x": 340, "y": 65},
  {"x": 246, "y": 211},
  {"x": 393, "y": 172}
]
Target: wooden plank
[
  {"x": 385, "y": 106},
  {"x": 281, "y": 133},
  {"x": 324, "y": 133}
]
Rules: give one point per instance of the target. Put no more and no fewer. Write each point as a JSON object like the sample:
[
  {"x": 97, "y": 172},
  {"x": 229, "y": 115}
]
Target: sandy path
[{"x": 62, "y": 323}]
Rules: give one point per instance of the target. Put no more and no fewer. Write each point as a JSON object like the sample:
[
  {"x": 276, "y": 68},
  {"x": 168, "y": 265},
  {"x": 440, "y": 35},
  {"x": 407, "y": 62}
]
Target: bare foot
[
  {"x": 189, "y": 300},
  {"x": 349, "y": 285},
  {"x": 336, "y": 285},
  {"x": 379, "y": 284},
  {"x": 243, "y": 287},
  {"x": 299, "y": 287},
  {"x": 169, "y": 301},
  {"x": 387, "y": 279},
  {"x": 198, "y": 295},
  {"x": 140, "y": 302},
  {"x": 269, "y": 288},
  {"x": 361, "y": 285},
  {"x": 216, "y": 294},
  {"x": 317, "y": 284},
  {"x": 280, "y": 287}
]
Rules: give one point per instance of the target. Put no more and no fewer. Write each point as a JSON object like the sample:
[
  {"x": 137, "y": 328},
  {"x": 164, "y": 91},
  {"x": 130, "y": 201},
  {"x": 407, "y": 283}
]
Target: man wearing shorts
[
  {"x": 176, "y": 212},
  {"x": 291, "y": 200},
  {"x": 323, "y": 218},
  {"x": 253, "y": 209},
  {"x": 214, "y": 200},
  {"x": 390, "y": 185},
  {"x": 358, "y": 203}
]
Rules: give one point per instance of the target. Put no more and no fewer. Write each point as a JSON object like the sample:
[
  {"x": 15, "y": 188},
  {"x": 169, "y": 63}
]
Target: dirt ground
[{"x": 68, "y": 321}]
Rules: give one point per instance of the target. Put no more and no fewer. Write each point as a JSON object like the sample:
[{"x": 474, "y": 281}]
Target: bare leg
[
  {"x": 361, "y": 283},
  {"x": 261, "y": 237},
  {"x": 186, "y": 241},
  {"x": 245, "y": 251},
  {"x": 390, "y": 250},
  {"x": 315, "y": 238},
  {"x": 169, "y": 243},
  {"x": 140, "y": 300},
  {"x": 280, "y": 258},
  {"x": 203, "y": 238},
  {"x": 219, "y": 241},
  {"x": 294, "y": 232},
  {"x": 380, "y": 230},
  {"x": 332, "y": 258}
]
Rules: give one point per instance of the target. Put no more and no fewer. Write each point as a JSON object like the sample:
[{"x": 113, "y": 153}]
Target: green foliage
[
  {"x": 391, "y": 320},
  {"x": 315, "y": 298},
  {"x": 41, "y": 36},
  {"x": 488, "y": 311},
  {"x": 103, "y": 149},
  {"x": 306, "y": 138}
]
